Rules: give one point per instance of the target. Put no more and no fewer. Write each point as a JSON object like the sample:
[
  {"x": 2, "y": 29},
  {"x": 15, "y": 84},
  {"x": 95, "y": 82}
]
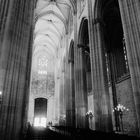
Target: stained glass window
[{"x": 42, "y": 65}]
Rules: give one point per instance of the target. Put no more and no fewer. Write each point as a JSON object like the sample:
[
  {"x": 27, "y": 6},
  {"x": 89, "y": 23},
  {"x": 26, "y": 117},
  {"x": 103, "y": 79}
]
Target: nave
[
  {"x": 74, "y": 63},
  {"x": 69, "y": 133}
]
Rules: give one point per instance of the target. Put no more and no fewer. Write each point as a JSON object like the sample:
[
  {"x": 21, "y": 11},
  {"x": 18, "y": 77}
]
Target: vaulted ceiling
[{"x": 51, "y": 25}]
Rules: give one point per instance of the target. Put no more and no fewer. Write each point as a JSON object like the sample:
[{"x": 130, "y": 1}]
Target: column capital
[
  {"x": 98, "y": 20},
  {"x": 70, "y": 61},
  {"x": 82, "y": 46}
]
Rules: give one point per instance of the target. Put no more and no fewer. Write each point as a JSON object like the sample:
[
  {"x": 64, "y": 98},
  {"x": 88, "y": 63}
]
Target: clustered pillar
[
  {"x": 16, "y": 30},
  {"x": 71, "y": 95},
  {"x": 102, "y": 108},
  {"x": 130, "y": 11},
  {"x": 80, "y": 90}
]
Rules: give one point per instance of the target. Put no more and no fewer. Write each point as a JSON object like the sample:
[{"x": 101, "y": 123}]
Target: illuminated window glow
[
  {"x": 36, "y": 122},
  {"x": 43, "y": 122},
  {"x": 43, "y": 61},
  {"x": 40, "y": 122},
  {"x": 42, "y": 72}
]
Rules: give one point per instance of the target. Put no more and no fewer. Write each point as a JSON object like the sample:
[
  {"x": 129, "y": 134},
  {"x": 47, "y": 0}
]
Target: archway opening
[
  {"x": 84, "y": 44},
  {"x": 52, "y": 19},
  {"x": 114, "y": 39},
  {"x": 40, "y": 112},
  {"x": 116, "y": 57},
  {"x": 86, "y": 68}
]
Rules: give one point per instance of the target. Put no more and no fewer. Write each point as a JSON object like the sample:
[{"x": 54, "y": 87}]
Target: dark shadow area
[{"x": 70, "y": 133}]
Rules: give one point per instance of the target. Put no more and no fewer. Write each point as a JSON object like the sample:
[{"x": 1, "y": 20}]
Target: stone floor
[{"x": 67, "y": 133}]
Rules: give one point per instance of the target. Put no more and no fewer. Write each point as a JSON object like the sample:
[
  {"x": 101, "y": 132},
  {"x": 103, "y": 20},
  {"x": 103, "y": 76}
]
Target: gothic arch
[
  {"x": 71, "y": 51},
  {"x": 83, "y": 41},
  {"x": 85, "y": 67},
  {"x": 83, "y": 28},
  {"x": 40, "y": 108},
  {"x": 107, "y": 16},
  {"x": 70, "y": 119}
]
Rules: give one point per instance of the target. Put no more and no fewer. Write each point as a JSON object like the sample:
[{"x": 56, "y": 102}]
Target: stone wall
[{"x": 125, "y": 97}]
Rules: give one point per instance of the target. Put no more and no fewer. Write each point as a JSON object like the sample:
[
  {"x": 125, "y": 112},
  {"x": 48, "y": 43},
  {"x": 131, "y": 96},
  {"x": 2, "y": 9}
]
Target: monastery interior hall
[{"x": 69, "y": 69}]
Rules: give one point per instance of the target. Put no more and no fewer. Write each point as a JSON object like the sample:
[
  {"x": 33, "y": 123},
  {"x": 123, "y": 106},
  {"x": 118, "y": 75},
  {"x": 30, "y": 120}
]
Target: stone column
[
  {"x": 15, "y": 61},
  {"x": 81, "y": 94},
  {"x": 72, "y": 91},
  {"x": 6, "y": 6},
  {"x": 75, "y": 66},
  {"x": 68, "y": 94},
  {"x": 130, "y": 14},
  {"x": 102, "y": 107},
  {"x": 56, "y": 99},
  {"x": 71, "y": 95},
  {"x": 62, "y": 97},
  {"x": 80, "y": 109}
]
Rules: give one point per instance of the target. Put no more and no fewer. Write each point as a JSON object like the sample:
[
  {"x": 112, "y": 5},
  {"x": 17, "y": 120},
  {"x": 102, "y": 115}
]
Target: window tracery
[{"x": 42, "y": 64}]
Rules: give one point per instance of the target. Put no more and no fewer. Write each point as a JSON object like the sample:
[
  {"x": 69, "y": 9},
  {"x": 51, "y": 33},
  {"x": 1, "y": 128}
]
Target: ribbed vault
[{"x": 51, "y": 25}]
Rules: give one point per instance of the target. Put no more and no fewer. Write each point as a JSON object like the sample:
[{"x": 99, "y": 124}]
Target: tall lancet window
[
  {"x": 120, "y": 60},
  {"x": 42, "y": 65},
  {"x": 125, "y": 55}
]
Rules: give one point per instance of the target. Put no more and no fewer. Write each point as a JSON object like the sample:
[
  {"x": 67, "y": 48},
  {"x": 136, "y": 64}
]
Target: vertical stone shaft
[
  {"x": 70, "y": 94},
  {"x": 61, "y": 99},
  {"x": 72, "y": 88},
  {"x": 81, "y": 94},
  {"x": 62, "y": 96},
  {"x": 64, "y": 92},
  {"x": 72, "y": 91},
  {"x": 16, "y": 49},
  {"x": 57, "y": 106},
  {"x": 4, "y": 13},
  {"x": 130, "y": 14},
  {"x": 76, "y": 70},
  {"x": 100, "y": 91}
]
